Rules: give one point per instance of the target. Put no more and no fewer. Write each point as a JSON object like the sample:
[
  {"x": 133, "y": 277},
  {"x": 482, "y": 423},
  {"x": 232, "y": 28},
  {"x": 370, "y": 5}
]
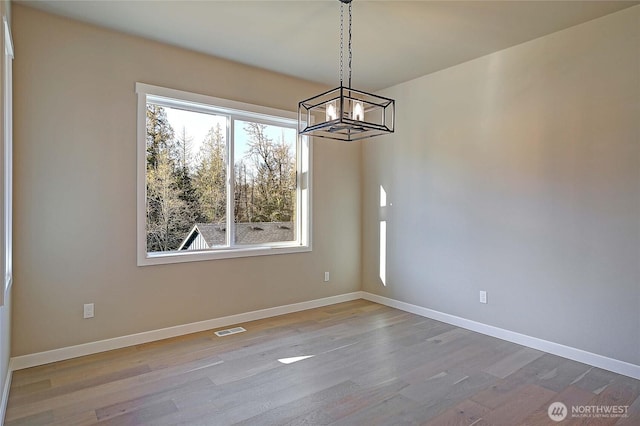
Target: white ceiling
[{"x": 393, "y": 41}]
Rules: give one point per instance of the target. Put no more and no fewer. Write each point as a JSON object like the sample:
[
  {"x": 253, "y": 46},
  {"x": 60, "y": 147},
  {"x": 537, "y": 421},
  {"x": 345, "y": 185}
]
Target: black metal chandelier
[{"x": 344, "y": 113}]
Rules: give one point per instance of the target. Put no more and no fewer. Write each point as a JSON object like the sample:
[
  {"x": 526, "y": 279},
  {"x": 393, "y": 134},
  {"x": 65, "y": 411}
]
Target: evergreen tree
[
  {"x": 210, "y": 180},
  {"x": 184, "y": 145},
  {"x": 241, "y": 201},
  {"x": 160, "y": 136}
]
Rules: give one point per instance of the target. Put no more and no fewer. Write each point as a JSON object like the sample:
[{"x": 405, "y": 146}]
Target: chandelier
[{"x": 344, "y": 113}]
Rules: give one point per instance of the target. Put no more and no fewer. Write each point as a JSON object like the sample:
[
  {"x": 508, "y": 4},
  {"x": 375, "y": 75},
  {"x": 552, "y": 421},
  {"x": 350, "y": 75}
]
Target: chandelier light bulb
[
  {"x": 358, "y": 111},
  {"x": 332, "y": 111}
]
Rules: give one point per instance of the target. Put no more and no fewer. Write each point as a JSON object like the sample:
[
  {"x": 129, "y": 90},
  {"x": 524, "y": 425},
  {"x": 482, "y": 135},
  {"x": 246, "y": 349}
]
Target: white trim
[
  {"x": 5, "y": 394},
  {"x": 6, "y": 190},
  {"x": 617, "y": 366},
  {"x": 8, "y": 40},
  {"x": 141, "y": 177},
  {"x": 223, "y": 253},
  {"x": 7, "y": 159},
  {"x": 208, "y": 102},
  {"x": 40, "y": 358}
]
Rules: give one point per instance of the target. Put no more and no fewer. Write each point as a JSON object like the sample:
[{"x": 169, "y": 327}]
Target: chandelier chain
[
  {"x": 341, "y": 41},
  {"x": 350, "y": 52}
]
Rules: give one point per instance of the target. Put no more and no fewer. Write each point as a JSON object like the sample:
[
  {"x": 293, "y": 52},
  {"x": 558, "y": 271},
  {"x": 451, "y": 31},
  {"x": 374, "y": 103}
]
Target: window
[{"x": 218, "y": 179}]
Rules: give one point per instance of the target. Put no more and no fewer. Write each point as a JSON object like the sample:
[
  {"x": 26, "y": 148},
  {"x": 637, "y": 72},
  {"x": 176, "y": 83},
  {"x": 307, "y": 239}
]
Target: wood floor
[{"x": 367, "y": 365}]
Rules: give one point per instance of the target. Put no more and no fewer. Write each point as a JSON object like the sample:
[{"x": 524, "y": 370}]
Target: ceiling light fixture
[{"x": 344, "y": 113}]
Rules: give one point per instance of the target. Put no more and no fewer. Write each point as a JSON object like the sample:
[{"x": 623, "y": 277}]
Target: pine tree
[
  {"x": 160, "y": 135},
  {"x": 241, "y": 207},
  {"x": 184, "y": 145},
  {"x": 210, "y": 179}
]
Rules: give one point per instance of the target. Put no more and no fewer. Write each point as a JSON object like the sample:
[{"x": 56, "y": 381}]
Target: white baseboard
[
  {"x": 620, "y": 367},
  {"x": 40, "y": 358}
]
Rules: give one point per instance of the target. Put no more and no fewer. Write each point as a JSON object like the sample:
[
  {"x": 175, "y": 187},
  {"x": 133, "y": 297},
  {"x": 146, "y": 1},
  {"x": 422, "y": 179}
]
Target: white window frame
[
  {"x": 6, "y": 227},
  {"x": 241, "y": 111}
]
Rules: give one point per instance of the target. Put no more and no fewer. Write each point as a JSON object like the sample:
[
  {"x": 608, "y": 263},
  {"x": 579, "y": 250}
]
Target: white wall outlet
[
  {"x": 88, "y": 310},
  {"x": 326, "y": 277},
  {"x": 483, "y": 296}
]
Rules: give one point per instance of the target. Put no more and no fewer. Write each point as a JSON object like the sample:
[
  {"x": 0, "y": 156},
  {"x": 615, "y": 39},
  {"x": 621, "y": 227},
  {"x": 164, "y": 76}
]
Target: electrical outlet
[
  {"x": 326, "y": 277},
  {"x": 88, "y": 310},
  {"x": 483, "y": 296}
]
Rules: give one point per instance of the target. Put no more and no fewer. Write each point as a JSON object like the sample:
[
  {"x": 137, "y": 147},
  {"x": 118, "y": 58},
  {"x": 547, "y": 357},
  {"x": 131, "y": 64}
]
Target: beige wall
[
  {"x": 75, "y": 195},
  {"x": 519, "y": 173}
]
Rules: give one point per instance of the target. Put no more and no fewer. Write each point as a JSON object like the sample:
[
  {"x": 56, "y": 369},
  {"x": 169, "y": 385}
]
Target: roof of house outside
[{"x": 246, "y": 233}]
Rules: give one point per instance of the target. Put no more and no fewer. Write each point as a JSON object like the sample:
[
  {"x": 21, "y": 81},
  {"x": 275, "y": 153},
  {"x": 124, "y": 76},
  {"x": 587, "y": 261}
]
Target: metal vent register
[{"x": 229, "y": 331}]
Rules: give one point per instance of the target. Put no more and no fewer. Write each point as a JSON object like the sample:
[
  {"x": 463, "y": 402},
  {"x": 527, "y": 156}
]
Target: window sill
[{"x": 147, "y": 259}]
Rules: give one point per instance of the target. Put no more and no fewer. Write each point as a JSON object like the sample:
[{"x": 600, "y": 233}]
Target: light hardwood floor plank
[{"x": 464, "y": 414}]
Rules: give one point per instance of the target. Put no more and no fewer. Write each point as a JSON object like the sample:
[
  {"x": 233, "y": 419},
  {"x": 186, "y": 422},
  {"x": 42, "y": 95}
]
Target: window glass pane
[
  {"x": 186, "y": 174},
  {"x": 265, "y": 183}
]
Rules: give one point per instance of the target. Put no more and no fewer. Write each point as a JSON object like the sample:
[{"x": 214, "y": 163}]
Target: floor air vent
[{"x": 229, "y": 331}]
